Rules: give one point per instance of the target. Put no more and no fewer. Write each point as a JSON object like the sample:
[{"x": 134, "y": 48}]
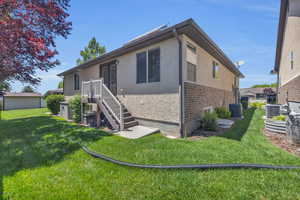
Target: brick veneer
[
  {"x": 293, "y": 89},
  {"x": 197, "y": 97}
]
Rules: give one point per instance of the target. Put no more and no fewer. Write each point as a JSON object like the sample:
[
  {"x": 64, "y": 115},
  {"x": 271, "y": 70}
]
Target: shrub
[
  {"x": 53, "y": 103},
  {"x": 258, "y": 105},
  {"x": 279, "y": 118},
  {"x": 210, "y": 121},
  {"x": 223, "y": 113},
  {"x": 75, "y": 106}
]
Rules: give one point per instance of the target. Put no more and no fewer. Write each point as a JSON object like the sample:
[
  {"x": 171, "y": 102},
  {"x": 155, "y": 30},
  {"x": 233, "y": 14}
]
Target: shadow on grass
[
  {"x": 39, "y": 141},
  {"x": 240, "y": 127}
]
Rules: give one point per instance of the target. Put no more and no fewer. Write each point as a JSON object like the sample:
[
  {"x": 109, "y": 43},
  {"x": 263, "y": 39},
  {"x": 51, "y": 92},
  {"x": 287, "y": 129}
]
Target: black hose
[{"x": 206, "y": 166}]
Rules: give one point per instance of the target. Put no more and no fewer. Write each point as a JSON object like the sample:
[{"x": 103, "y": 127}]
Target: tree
[
  {"x": 28, "y": 89},
  {"x": 28, "y": 29},
  {"x": 5, "y": 86},
  {"x": 60, "y": 84},
  {"x": 93, "y": 50},
  {"x": 273, "y": 85}
]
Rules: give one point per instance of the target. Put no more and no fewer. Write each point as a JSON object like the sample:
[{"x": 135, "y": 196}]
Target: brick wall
[
  {"x": 293, "y": 89},
  {"x": 197, "y": 97}
]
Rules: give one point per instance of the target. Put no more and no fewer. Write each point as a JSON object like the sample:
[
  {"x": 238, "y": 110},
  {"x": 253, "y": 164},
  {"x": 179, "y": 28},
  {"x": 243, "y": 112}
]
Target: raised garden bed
[{"x": 276, "y": 126}]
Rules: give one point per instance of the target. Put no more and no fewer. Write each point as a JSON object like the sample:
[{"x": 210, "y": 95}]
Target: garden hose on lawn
[{"x": 205, "y": 166}]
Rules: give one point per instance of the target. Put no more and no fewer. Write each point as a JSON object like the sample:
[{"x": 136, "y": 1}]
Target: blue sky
[{"x": 244, "y": 29}]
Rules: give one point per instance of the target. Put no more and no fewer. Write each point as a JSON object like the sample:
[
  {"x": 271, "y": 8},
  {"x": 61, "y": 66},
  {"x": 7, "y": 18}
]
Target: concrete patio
[{"x": 137, "y": 132}]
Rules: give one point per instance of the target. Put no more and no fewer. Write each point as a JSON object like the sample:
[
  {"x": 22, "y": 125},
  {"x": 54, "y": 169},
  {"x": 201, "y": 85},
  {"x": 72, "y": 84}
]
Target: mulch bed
[
  {"x": 282, "y": 142},
  {"x": 200, "y": 134}
]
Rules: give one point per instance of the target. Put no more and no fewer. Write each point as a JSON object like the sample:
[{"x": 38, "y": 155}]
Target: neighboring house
[
  {"x": 51, "y": 92},
  {"x": 267, "y": 95},
  {"x": 287, "y": 64},
  {"x": 12, "y": 101},
  {"x": 168, "y": 78}
]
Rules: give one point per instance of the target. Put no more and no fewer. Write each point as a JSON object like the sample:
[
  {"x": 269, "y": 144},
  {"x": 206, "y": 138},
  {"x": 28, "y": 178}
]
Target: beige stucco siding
[
  {"x": 204, "y": 63},
  {"x": 168, "y": 71},
  {"x": 157, "y": 101},
  {"x": 291, "y": 43},
  {"x": 86, "y": 74}
]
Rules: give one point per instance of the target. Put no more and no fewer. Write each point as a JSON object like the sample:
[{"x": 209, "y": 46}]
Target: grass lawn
[{"x": 41, "y": 159}]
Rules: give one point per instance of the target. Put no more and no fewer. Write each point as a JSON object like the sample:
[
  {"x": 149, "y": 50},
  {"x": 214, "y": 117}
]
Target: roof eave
[
  {"x": 280, "y": 36},
  {"x": 169, "y": 31}
]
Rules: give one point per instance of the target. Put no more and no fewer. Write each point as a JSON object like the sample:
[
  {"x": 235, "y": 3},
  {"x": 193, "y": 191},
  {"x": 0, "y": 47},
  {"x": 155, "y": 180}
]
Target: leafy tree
[
  {"x": 28, "y": 29},
  {"x": 265, "y": 85},
  {"x": 28, "y": 89},
  {"x": 93, "y": 50},
  {"x": 5, "y": 86},
  {"x": 60, "y": 85}
]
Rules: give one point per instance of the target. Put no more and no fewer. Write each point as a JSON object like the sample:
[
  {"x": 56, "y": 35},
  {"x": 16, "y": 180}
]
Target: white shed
[{"x": 12, "y": 101}]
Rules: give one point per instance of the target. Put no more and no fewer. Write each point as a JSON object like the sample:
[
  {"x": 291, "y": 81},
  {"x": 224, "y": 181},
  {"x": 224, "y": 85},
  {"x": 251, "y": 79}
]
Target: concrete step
[
  {"x": 130, "y": 124},
  {"x": 126, "y": 114},
  {"x": 128, "y": 119}
]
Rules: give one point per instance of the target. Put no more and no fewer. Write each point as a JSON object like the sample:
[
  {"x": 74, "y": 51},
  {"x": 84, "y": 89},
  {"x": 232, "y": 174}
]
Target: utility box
[
  {"x": 272, "y": 110},
  {"x": 65, "y": 111}
]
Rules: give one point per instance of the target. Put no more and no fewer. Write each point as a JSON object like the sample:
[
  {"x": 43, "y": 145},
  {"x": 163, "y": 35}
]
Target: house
[
  {"x": 288, "y": 52},
  {"x": 12, "y": 100},
  {"x": 267, "y": 95},
  {"x": 51, "y": 92},
  {"x": 166, "y": 78}
]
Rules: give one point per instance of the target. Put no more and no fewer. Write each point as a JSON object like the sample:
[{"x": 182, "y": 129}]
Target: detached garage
[{"x": 12, "y": 101}]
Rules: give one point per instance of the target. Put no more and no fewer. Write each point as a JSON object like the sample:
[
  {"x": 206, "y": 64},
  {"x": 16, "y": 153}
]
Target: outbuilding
[{"x": 12, "y": 100}]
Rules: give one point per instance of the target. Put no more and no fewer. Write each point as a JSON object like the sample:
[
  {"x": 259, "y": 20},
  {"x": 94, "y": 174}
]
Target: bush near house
[
  {"x": 258, "y": 105},
  {"x": 75, "y": 105},
  {"x": 53, "y": 102},
  {"x": 210, "y": 121},
  {"x": 223, "y": 113},
  {"x": 279, "y": 118}
]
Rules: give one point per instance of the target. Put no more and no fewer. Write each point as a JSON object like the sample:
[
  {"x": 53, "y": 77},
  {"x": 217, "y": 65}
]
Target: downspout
[
  {"x": 277, "y": 89},
  {"x": 181, "y": 88}
]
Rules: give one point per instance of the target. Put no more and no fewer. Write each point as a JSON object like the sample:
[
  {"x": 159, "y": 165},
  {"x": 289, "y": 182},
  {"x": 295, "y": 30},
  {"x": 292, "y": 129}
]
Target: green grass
[{"x": 41, "y": 159}]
